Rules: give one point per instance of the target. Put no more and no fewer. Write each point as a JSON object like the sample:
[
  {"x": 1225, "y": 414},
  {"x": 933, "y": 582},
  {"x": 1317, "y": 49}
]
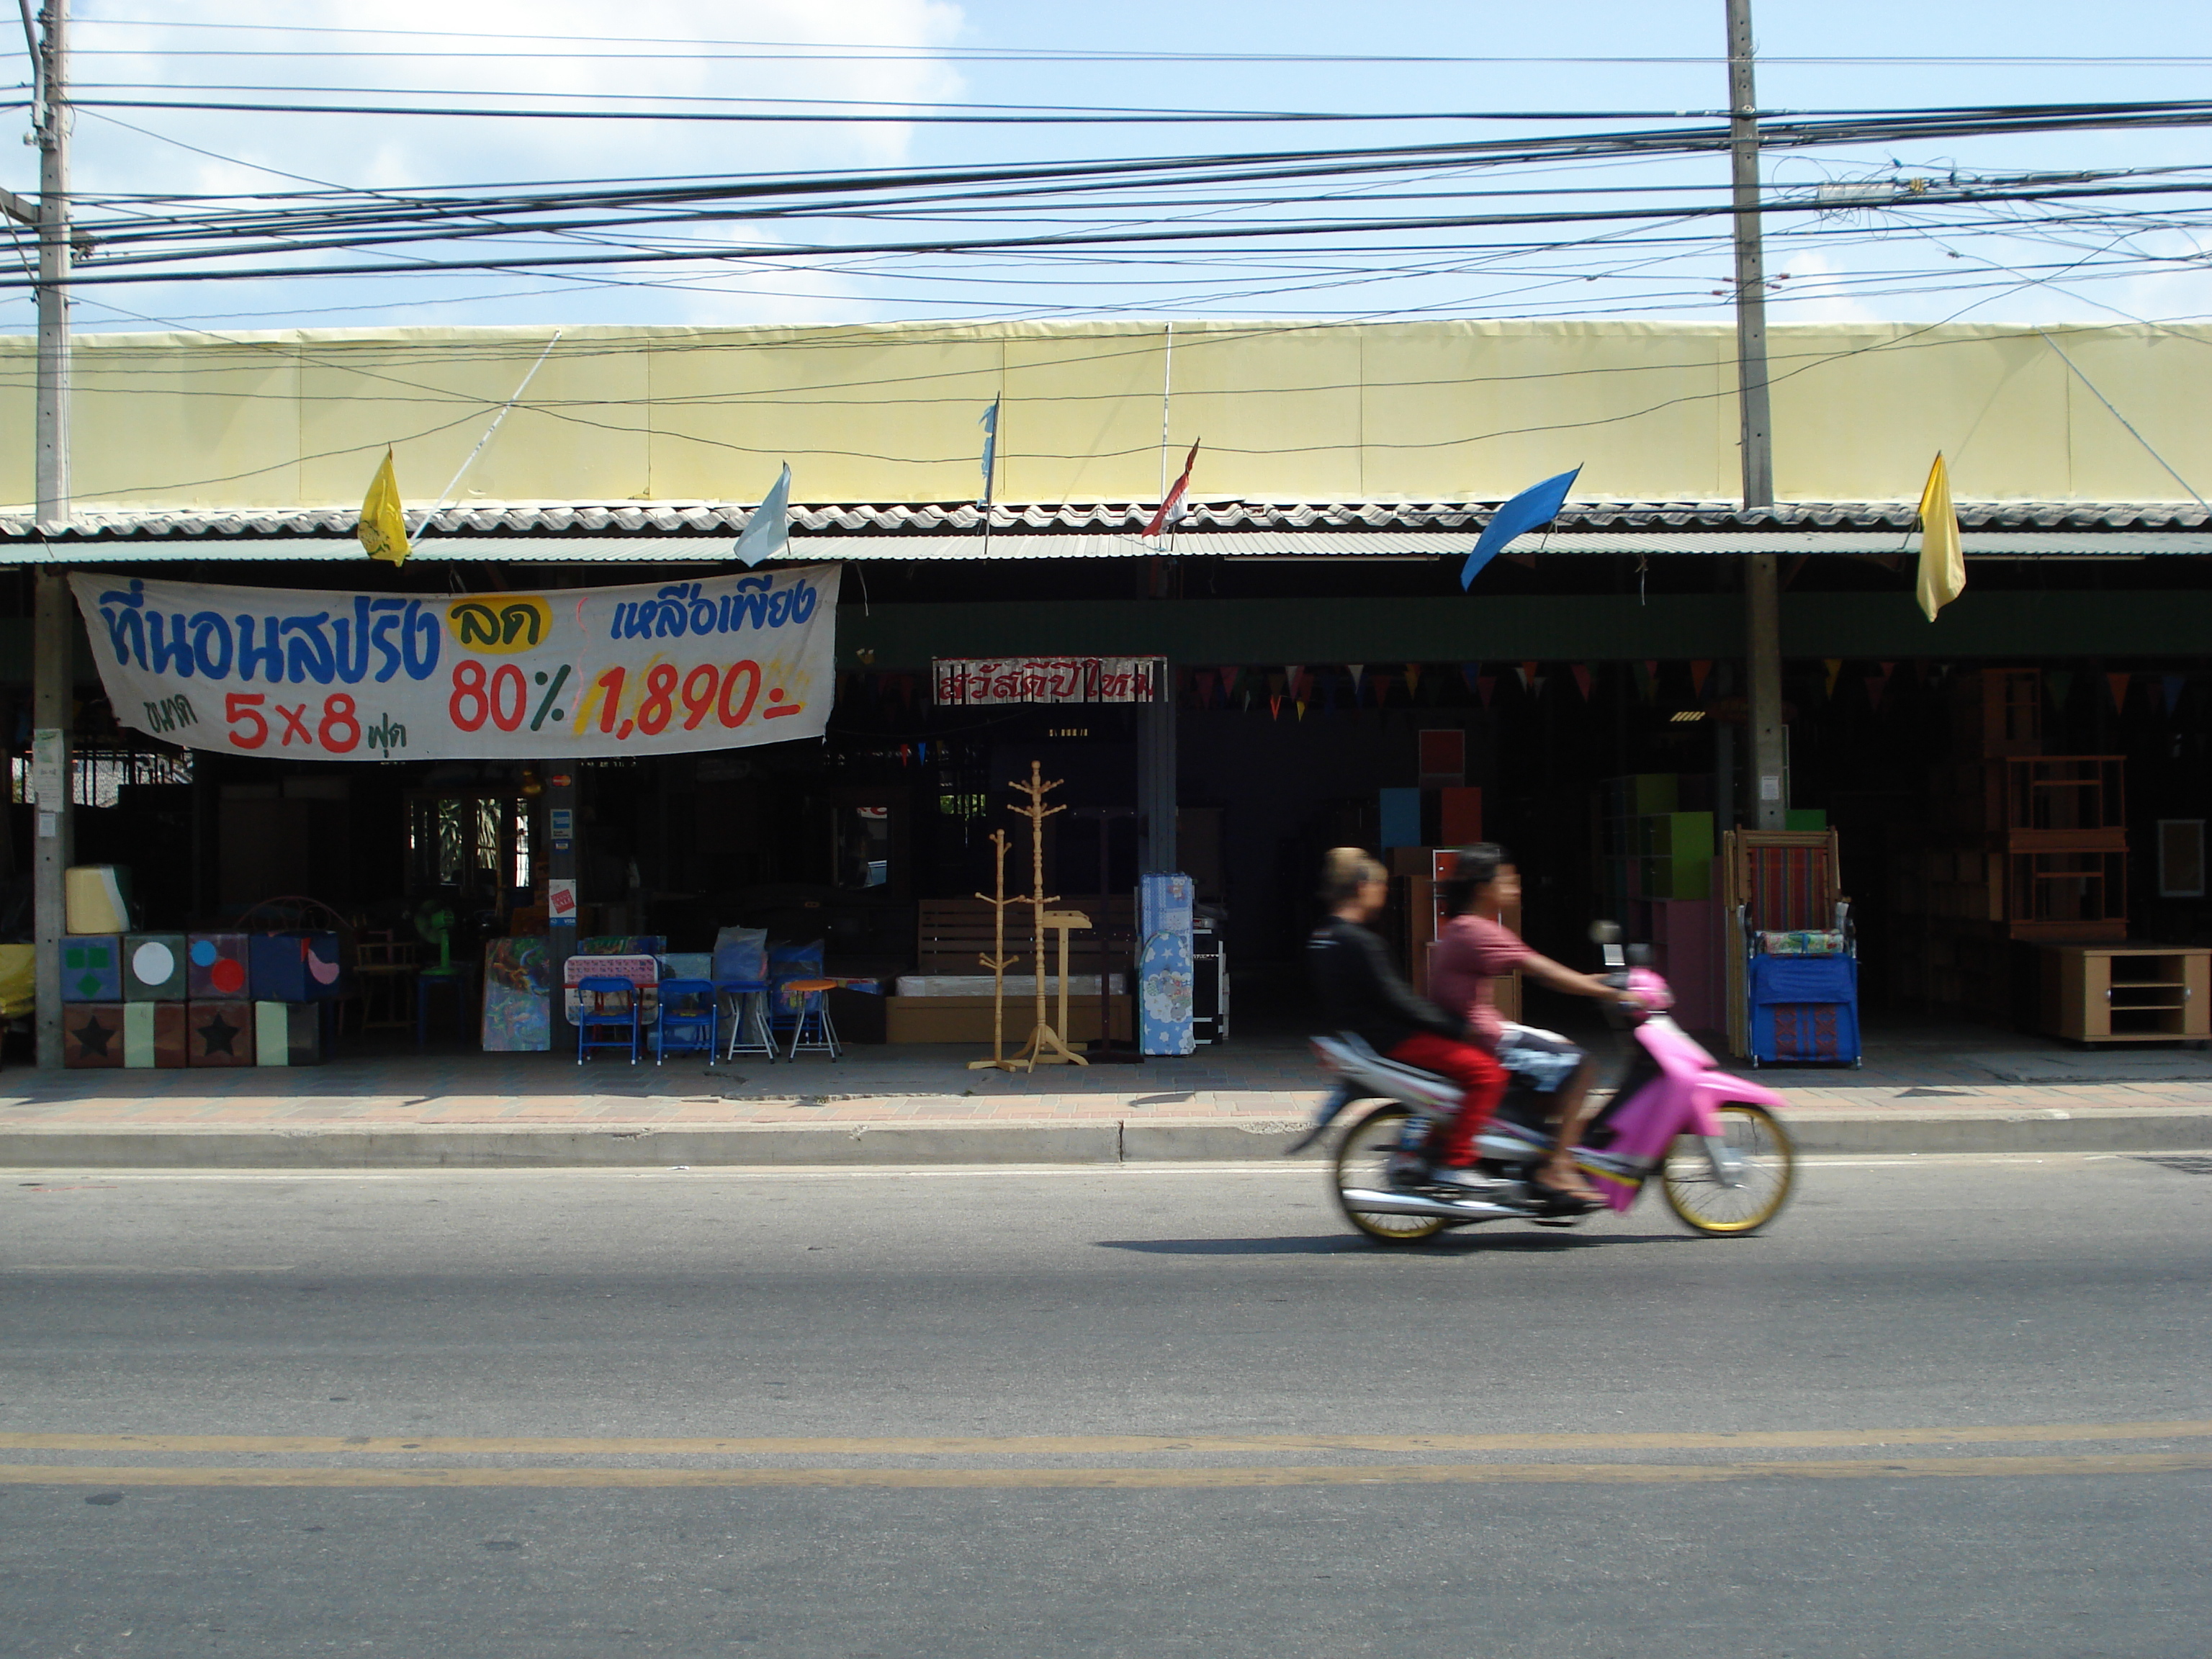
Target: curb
[{"x": 1107, "y": 1142}]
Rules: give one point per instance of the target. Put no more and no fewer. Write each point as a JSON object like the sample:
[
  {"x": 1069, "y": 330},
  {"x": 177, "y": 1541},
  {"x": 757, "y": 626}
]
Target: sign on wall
[
  {"x": 975, "y": 681},
  {"x": 721, "y": 663}
]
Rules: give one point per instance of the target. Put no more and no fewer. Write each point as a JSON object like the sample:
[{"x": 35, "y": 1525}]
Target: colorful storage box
[
  {"x": 215, "y": 967},
  {"x": 294, "y": 966},
  {"x": 287, "y": 1034},
  {"x": 154, "y": 967},
  {"x": 153, "y": 1035},
  {"x": 92, "y": 1034},
  {"x": 92, "y": 968},
  {"x": 219, "y": 1033}
]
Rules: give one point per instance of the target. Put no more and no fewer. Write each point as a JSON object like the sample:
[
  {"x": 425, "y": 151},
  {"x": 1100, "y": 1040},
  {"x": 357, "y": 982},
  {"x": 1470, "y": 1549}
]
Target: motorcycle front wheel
[
  {"x": 1363, "y": 1160},
  {"x": 1768, "y": 1170}
]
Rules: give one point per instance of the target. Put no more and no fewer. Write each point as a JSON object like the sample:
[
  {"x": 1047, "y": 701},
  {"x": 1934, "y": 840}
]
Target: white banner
[{"x": 719, "y": 663}]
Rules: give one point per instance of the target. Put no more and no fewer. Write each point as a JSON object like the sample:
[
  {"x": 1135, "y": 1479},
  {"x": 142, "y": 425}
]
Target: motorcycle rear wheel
[
  {"x": 1770, "y": 1172},
  {"x": 1363, "y": 1160}
]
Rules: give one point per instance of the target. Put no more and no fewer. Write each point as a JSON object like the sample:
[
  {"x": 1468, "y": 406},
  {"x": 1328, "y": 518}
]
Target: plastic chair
[
  {"x": 593, "y": 1015},
  {"x": 748, "y": 1001},
  {"x": 687, "y": 1019},
  {"x": 814, "y": 1014}
]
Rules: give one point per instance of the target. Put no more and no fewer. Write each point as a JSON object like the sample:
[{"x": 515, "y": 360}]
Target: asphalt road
[{"x": 1946, "y": 1406}]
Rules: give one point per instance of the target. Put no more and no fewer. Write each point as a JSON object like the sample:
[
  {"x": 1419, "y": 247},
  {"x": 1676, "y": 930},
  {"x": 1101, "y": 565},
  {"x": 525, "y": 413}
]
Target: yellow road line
[
  {"x": 1039, "y": 1445},
  {"x": 1382, "y": 1475}
]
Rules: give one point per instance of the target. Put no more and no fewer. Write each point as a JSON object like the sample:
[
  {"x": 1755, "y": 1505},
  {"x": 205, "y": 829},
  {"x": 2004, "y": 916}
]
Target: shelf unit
[{"x": 2127, "y": 993}]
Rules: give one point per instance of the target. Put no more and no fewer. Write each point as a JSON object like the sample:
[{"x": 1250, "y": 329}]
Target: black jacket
[{"x": 1361, "y": 992}]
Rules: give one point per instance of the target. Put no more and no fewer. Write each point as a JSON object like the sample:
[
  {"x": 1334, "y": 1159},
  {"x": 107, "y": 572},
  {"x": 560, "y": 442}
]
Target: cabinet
[{"x": 2127, "y": 993}]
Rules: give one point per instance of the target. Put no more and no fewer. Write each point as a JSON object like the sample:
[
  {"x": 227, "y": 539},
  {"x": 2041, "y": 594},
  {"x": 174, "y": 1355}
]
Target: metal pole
[
  {"x": 52, "y": 635},
  {"x": 50, "y": 133},
  {"x": 1762, "y": 593}
]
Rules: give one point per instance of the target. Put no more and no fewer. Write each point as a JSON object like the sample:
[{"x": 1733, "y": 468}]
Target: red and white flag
[{"x": 1172, "y": 508}]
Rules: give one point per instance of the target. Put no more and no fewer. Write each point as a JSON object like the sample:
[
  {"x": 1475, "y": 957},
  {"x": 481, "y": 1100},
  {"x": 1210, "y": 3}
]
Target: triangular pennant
[
  {"x": 1486, "y": 685},
  {"x": 1381, "y": 689},
  {"x": 1274, "y": 703},
  {"x": 1644, "y": 674},
  {"x": 2119, "y": 684},
  {"x": 1874, "y": 683},
  {"x": 2174, "y": 684},
  {"x": 1229, "y": 682},
  {"x": 1528, "y": 674},
  {"x": 1470, "y": 672},
  {"x": 1413, "y": 679},
  {"x": 1202, "y": 681},
  {"x": 1356, "y": 670},
  {"x": 1583, "y": 679},
  {"x": 1835, "y": 667},
  {"x": 1698, "y": 669},
  {"x": 2059, "y": 682}
]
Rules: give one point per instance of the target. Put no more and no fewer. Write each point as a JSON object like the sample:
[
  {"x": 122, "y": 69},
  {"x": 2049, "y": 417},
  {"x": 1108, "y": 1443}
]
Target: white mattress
[{"x": 1021, "y": 985}]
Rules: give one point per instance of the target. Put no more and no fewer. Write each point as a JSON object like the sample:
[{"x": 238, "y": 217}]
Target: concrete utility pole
[
  {"x": 52, "y": 668},
  {"x": 1761, "y": 590}
]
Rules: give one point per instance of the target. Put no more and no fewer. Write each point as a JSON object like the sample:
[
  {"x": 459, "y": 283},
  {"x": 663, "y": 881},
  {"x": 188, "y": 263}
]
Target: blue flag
[
  {"x": 1531, "y": 509},
  {"x": 767, "y": 528},
  {"x": 990, "y": 425}
]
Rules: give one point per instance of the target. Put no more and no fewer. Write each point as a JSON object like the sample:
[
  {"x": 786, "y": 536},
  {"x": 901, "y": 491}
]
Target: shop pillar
[
  {"x": 51, "y": 673},
  {"x": 1155, "y": 777}
]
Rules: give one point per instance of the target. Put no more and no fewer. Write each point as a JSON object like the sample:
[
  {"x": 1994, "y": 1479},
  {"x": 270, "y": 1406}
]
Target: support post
[
  {"x": 1155, "y": 777},
  {"x": 51, "y": 638},
  {"x": 1768, "y": 805},
  {"x": 52, "y": 659}
]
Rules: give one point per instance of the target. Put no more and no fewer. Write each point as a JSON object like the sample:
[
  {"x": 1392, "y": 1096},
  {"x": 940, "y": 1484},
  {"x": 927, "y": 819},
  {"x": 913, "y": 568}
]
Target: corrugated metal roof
[{"x": 677, "y": 532}]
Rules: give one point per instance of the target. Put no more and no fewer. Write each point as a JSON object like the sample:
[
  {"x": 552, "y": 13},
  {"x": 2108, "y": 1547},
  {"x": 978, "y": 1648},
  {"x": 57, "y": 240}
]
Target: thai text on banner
[{"x": 718, "y": 662}]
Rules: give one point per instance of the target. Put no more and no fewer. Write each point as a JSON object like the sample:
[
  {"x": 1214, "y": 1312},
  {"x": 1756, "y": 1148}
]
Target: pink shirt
[{"x": 1469, "y": 954}]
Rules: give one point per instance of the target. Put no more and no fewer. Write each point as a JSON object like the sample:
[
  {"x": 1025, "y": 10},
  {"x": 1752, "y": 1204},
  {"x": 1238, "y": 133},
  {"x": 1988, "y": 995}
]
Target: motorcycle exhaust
[{"x": 1454, "y": 1209}]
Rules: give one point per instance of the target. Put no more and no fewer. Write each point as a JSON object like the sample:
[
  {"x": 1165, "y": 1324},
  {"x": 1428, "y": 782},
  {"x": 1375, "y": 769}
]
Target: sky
[{"x": 2022, "y": 263}]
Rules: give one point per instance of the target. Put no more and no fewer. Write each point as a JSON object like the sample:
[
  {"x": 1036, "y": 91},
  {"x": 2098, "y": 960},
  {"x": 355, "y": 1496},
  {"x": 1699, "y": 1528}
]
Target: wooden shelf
[{"x": 2127, "y": 993}]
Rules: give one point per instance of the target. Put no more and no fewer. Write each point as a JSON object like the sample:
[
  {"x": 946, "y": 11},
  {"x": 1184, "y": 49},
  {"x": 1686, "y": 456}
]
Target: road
[{"x": 1944, "y": 1406}]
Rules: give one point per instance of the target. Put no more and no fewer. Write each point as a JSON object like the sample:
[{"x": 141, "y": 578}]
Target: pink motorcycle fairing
[{"x": 1685, "y": 1098}]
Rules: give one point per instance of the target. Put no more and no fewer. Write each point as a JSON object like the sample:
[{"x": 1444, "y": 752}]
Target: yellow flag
[
  {"x": 383, "y": 529},
  {"x": 1942, "y": 566}
]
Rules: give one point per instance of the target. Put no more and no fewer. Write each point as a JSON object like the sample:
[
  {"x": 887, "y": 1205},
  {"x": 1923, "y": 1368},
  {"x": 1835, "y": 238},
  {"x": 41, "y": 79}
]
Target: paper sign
[{"x": 561, "y": 900}]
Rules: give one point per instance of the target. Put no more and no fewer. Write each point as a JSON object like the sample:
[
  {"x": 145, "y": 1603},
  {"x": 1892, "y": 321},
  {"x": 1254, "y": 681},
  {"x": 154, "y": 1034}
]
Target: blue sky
[{"x": 2012, "y": 266}]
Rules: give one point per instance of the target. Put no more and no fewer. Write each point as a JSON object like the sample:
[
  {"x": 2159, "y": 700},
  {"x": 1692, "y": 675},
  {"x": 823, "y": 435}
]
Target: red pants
[{"x": 1479, "y": 1075}]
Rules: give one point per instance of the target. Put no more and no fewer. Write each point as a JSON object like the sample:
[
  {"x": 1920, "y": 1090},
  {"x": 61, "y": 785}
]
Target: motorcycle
[{"x": 1710, "y": 1138}]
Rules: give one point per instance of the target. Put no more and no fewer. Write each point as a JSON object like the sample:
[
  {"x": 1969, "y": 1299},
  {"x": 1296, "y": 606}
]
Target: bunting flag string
[
  {"x": 1582, "y": 673},
  {"x": 1413, "y": 680},
  {"x": 2118, "y": 683},
  {"x": 1699, "y": 668}
]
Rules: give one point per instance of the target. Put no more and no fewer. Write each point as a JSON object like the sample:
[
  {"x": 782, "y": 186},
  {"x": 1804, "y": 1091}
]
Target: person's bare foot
[{"x": 1562, "y": 1176}]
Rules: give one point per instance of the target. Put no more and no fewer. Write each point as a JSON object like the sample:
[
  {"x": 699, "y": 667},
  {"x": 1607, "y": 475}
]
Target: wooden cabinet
[{"x": 2127, "y": 993}]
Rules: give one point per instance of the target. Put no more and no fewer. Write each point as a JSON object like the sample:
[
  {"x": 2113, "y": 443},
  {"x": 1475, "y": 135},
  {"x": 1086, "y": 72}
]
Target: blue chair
[
  {"x": 747, "y": 1000},
  {"x": 592, "y": 1014},
  {"x": 687, "y": 1019}
]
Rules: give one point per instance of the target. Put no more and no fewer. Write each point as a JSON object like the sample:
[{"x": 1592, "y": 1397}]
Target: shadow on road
[{"x": 1456, "y": 1243}]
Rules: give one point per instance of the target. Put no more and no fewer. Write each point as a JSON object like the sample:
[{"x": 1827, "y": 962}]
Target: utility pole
[
  {"x": 1761, "y": 589},
  {"x": 53, "y": 666}
]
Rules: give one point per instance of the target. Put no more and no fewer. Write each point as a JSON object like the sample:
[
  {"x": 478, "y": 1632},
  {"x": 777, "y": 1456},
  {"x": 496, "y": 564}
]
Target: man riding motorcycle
[
  {"x": 1361, "y": 993},
  {"x": 1475, "y": 948}
]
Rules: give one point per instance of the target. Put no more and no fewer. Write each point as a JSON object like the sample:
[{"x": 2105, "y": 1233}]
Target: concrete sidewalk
[{"x": 921, "y": 1105}]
